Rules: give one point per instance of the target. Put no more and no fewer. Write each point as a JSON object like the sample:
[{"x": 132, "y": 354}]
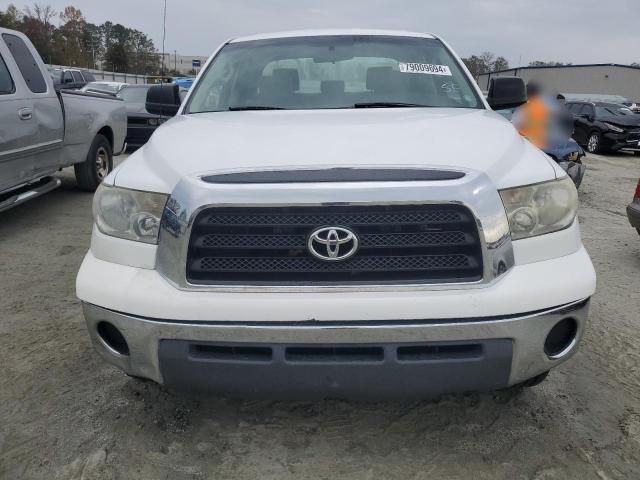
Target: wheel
[
  {"x": 98, "y": 164},
  {"x": 593, "y": 143}
]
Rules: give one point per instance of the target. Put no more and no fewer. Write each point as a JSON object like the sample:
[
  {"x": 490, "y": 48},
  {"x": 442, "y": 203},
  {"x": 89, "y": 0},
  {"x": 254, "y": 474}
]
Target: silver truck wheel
[
  {"x": 97, "y": 165},
  {"x": 102, "y": 162}
]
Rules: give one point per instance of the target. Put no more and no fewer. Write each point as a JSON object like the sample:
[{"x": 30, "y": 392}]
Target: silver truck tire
[{"x": 97, "y": 165}]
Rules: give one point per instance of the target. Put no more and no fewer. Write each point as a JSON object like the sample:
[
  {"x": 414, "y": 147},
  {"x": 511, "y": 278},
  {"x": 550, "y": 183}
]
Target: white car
[{"x": 336, "y": 214}]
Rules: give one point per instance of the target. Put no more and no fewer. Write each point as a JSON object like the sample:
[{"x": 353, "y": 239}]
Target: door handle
[{"x": 25, "y": 114}]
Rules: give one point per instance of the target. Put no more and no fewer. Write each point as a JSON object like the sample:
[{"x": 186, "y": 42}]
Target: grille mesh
[
  {"x": 346, "y": 218},
  {"x": 400, "y": 243},
  {"x": 276, "y": 264}
]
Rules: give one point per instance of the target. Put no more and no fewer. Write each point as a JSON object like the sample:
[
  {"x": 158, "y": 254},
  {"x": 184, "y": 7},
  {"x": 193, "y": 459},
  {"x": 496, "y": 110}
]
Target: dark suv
[{"x": 605, "y": 126}]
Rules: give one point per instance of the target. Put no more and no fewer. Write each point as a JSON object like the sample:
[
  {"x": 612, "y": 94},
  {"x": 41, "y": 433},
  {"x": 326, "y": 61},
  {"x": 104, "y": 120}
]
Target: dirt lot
[{"x": 65, "y": 414}]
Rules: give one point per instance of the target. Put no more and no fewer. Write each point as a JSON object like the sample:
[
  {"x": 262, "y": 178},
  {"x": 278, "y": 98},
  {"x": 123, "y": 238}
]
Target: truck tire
[{"x": 97, "y": 165}]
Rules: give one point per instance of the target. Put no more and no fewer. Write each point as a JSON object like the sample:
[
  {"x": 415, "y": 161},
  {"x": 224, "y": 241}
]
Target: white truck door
[{"x": 40, "y": 129}]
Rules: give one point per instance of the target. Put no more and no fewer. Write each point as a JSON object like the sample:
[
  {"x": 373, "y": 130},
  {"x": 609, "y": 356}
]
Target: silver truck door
[
  {"x": 39, "y": 113},
  {"x": 17, "y": 133}
]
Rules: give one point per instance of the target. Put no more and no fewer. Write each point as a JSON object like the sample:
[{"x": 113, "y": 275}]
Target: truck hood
[{"x": 460, "y": 139}]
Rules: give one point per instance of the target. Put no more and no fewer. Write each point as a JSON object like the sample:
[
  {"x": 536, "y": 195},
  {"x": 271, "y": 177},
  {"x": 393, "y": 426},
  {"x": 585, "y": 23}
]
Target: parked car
[
  {"x": 44, "y": 131},
  {"x": 634, "y": 107},
  {"x": 633, "y": 209},
  {"x": 568, "y": 154},
  {"x": 329, "y": 235},
  {"x": 602, "y": 127},
  {"x": 185, "y": 82},
  {"x": 70, "y": 78},
  {"x": 105, "y": 88},
  {"x": 140, "y": 123}
]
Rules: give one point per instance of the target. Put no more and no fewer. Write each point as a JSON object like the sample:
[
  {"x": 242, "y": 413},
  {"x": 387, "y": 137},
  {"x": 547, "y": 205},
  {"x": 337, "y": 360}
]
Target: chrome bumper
[{"x": 526, "y": 332}]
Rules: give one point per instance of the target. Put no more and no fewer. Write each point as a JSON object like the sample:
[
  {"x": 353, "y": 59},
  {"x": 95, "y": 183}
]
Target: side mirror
[
  {"x": 506, "y": 92},
  {"x": 163, "y": 100}
]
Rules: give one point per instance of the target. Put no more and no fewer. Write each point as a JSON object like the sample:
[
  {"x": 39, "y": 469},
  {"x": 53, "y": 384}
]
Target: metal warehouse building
[{"x": 610, "y": 79}]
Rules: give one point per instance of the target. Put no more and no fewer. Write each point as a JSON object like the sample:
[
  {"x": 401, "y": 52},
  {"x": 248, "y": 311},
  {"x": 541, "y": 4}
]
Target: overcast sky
[{"x": 578, "y": 31}]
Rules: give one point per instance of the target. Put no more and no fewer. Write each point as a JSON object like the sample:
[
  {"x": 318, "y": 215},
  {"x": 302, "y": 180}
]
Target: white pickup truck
[
  {"x": 42, "y": 131},
  {"x": 337, "y": 214}
]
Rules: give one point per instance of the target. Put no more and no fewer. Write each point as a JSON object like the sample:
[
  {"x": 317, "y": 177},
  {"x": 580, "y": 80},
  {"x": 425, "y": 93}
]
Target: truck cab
[{"x": 44, "y": 130}]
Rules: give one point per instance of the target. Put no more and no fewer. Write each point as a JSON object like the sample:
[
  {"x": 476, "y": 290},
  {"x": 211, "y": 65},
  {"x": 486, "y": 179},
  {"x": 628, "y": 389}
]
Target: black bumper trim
[
  {"x": 633, "y": 213},
  {"x": 362, "y": 371}
]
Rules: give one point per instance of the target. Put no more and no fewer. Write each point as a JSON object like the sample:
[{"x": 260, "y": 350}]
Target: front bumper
[
  {"x": 138, "y": 135},
  {"x": 622, "y": 141},
  {"x": 366, "y": 359},
  {"x": 633, "y": 213}
]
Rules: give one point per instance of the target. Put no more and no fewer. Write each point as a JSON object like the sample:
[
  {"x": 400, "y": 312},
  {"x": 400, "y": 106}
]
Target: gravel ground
[{"x": 64, "y": 414}]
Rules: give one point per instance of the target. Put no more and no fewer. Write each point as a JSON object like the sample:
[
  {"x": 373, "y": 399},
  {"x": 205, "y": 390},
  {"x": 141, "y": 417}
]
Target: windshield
[
  {"x": 612, "y": 110},
  {"x": 134, "y": 94},
  {"x": 333, "y": 72}
]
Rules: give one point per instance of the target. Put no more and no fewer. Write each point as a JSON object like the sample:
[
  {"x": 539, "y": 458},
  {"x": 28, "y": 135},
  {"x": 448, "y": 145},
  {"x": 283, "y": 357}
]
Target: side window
[
  {"x": 581, "y": 108},
  {"x": 77, "y": 77},
  {"x": 6, "y": 82},
  {"x": 26, "y": 63},
  {"x": 589, "y": 110},
  {"x": 67, "y": 77}
]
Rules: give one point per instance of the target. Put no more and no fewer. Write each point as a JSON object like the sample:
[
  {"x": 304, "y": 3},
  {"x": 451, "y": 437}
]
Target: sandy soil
[{"x": 64, "y": 414}]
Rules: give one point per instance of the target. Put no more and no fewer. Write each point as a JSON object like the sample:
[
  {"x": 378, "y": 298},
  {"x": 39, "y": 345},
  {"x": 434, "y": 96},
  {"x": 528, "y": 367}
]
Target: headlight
[
  {"x": 613, "y": 128},
  {"x": 128, "y": 214},
  {"x": 542, "y": 208}
]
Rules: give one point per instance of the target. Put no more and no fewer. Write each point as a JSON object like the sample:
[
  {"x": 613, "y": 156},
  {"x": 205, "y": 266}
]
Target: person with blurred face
[{"x": 533, "y": 119}]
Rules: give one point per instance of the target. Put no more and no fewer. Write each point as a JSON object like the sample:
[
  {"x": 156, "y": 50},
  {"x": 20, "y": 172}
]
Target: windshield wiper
[
  {"x": 387, "y": 105},
  {"x": 254, "y": 107}
]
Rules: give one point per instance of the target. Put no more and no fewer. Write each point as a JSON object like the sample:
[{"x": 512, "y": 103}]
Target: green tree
[
  {"x": 10, "y": 18},
  {"x": 485, "y": 62},
  {"x": 500, "y": 63},
  {"x": 72, "y": 41},
  {"x": 69, "y": 45},
  {"x": 37, "y": 25}
]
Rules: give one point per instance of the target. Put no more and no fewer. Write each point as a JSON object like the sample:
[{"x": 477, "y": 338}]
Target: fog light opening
[
  {"x": 561, "y": 338},
  {"x": 112, "y": 337}
]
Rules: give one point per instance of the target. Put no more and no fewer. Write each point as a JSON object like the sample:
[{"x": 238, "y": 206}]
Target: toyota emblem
[{"x": 332, "y": 244}]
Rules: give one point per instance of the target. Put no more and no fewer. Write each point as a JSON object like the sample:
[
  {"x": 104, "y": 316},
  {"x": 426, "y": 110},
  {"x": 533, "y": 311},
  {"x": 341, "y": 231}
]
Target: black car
[
  {"x": 70, "y": 78},
  {"x": 140, "y": 123},
  {"x": 602, "y": 127}
]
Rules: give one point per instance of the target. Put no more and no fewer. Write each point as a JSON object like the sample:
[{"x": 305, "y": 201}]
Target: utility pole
[
  {"x": 175, "y": 60},
  {"x": 164, "y": 34}
]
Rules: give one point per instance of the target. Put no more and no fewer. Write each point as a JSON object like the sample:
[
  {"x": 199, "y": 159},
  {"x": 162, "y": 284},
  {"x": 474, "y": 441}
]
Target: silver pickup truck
[{"x": 42, "y": 131}]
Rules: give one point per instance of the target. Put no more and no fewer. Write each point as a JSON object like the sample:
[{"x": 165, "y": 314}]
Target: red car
[{"x": 633, "y": 209}]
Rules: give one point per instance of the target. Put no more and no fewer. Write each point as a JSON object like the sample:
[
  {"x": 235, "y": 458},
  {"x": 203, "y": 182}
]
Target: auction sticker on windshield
[{"x": 427, "y": 68}]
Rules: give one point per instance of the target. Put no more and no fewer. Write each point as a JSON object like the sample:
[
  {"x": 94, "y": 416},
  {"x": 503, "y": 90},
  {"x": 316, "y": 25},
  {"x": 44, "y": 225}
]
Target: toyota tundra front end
[{"x": 336, "y": 214}]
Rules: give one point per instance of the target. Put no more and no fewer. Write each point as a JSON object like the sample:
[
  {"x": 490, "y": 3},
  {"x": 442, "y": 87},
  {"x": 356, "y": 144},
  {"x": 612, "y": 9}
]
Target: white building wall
[
  {"x": 182, "y": 63},
  {"x": 608, "y": 79}
]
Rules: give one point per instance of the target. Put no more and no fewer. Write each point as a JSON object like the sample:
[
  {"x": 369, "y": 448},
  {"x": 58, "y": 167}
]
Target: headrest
[
  {"x": 332, "y": 87},
  {"x": 380, "y": 78},
  {"x": 286, "y": 79}
]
